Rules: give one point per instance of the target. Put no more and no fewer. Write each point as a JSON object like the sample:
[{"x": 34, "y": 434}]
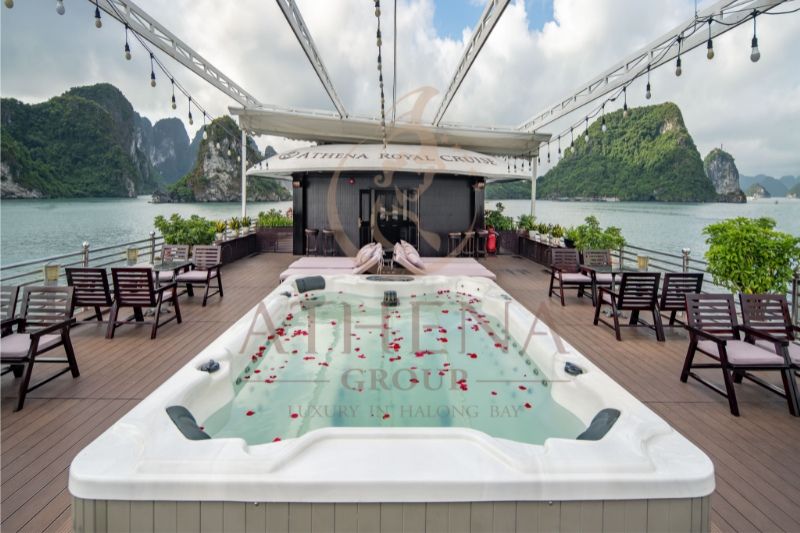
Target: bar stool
[
  {"x": 480, "y": 247},
  {"x": 328, "y": 242},
  {"x": 311, "y": 235},
  {"x": 468, "y": 248},
  {"x": 453, "y": 241}
]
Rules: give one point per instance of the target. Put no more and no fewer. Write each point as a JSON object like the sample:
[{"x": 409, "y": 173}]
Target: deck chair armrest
[
  {"x": 64, "y": 324},
  {"x": 9, "y": 322},
  {"x": 609, "y": 291},
  {"x": 762, "y": 335},
  {"x": 706, "y": 335}
]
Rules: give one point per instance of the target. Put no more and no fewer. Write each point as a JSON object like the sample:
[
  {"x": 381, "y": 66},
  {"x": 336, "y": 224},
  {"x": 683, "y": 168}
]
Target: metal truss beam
[
  {"x": 298, "y": 25},
  {"x": 140, "y": 22},
  {"x": 491, "y": 14},
  {"x": 662, "y": 50}
]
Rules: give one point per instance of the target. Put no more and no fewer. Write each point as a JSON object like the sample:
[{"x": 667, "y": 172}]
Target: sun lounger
[{"x": 406, "y": 256}]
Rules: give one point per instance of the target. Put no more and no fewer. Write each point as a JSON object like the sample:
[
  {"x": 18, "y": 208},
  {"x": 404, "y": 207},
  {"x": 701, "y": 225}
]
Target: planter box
[{"x": 274, "y": 239}]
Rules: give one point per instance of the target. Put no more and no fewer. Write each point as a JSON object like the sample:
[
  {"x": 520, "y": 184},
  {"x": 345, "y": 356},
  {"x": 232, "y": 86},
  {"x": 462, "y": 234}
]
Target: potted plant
[
  {"x": 590, "y": 236},
  {"x": 246, "y": 223},
  {"x": 558, "y": 235},
  {"x": 234, "y": 223},
  {"x": 747, "y": 255},
  {"x": 527, "y": 225},
  {"x": 274, "y": 229},
  {"x": 570, "y": 234},
  {"x": 191, "y": 231},
  {"x": 504, "y": 226},
  {"x": 219, "y": 227}
]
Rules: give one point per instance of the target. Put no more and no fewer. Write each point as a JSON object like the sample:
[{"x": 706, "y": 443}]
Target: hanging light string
[
  {"x": 155, "y": 61},
  {"x": 379, "y": 42}
]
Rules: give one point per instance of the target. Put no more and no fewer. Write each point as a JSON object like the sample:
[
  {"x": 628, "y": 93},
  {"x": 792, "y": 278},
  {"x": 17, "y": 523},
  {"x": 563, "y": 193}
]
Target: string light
[
  {"x": 559, "y": 146},
  {"x": 710, "y": 45},
  {"x": 379, "y": 42},
  {"x": 755, "y": 55},
  {"x": 97, "y": 22},
  {"x": 647, "y": 93},
  {"x": 603, "y": 127},
  {"x": 678, "y": 69},
  {"x": 190, "y": 111},
  {"x": 548, "y": 153},
  {"x": 9, "y": 3},
  {"x": 127, "y": 47},
  {"x": 586, "y": 132},
  {"x": 60, "y": 7},
  {"x": 152, "y": 72},
  {"x": 174, "y": 105},
  {"x": 205, "y": 131},
  {"x": 625, "y": 104},
  {"x": 571, "y": 138}
]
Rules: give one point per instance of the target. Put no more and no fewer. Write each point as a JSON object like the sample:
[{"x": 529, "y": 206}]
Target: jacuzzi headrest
[
  {"x": 186, "y": 423},
  {"x": 601, "y": 424},
  {"x": 310, "y": 283}
]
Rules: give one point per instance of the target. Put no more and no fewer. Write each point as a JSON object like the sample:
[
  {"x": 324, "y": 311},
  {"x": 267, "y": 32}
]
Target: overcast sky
[{"x": 539, "y": 52}]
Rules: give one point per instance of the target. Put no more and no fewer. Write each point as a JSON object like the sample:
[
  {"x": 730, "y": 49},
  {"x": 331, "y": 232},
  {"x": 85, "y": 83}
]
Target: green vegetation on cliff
[{"x": 647, "y": 156}]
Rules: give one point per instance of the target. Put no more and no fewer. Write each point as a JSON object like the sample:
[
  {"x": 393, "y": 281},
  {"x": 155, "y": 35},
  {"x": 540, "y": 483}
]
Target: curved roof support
[
  {"x": 491, "y": 14},
  {"x": 298, "y": 25},
  {"x": 658, "y": 52}
]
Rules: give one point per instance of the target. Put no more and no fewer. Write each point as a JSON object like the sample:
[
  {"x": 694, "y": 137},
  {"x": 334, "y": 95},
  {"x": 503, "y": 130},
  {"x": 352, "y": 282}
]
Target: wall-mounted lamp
[{"x": 297, "y": 185}]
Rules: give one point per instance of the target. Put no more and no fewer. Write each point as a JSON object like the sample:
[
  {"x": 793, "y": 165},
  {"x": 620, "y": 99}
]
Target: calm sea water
[{"x": 31, "y": 229}]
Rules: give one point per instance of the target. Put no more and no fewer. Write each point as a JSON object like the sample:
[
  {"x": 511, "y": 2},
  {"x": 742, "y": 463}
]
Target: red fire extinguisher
[{"x": 491, "y": 241}]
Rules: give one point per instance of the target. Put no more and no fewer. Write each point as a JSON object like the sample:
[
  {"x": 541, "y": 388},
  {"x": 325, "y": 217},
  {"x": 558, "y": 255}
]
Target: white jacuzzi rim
[{"x": 143, "y": 456}]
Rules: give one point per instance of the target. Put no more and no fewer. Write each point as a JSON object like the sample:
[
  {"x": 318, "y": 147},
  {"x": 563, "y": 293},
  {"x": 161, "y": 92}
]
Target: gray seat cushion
[{"x": 16, "y": 345}]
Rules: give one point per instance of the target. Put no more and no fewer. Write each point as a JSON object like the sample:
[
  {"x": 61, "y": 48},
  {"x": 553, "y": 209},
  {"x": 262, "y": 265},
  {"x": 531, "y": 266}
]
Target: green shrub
[
  {"x": 234, "y": 223},
  {"x": 273, "y": 219},
  {"x": 590, "y": 236},
  {"x": 179, "y": 230},
  {"x": 526, "y": 222},
  {"x": 496, "y": 218},
  {"x": 747, "y": 255}
]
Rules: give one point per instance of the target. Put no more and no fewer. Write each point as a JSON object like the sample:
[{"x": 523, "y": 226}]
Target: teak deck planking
[{"x": 755, "y": 455}]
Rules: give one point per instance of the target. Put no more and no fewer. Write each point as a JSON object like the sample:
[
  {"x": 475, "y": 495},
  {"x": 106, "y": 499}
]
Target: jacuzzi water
[
  {"x": 327, "y": 396},
  {"x": 435, "y": 360}
]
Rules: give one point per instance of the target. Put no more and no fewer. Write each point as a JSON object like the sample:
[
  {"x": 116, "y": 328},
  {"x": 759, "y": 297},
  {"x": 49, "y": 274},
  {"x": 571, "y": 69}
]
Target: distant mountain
[
  {"x": 216, "y": 173},
  {"x": 647, "y": 156},
  {"x": 790, "y": 181},
  {"x": 720, "y": 168},
  {"x": 776, "y": 188},
  {"x": 794, "y": 192},
  {"x": 88, "y": 142},
  {"x": 757, "y": 190},
  {"x": 509, "y": 190}
]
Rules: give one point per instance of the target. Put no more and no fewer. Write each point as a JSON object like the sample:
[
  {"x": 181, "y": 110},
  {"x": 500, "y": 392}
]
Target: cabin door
[{"x": 394, "y": 217}]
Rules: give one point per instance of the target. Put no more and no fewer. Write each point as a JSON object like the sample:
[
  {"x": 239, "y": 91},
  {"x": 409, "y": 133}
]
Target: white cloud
[{"x": 752, "y": 109}]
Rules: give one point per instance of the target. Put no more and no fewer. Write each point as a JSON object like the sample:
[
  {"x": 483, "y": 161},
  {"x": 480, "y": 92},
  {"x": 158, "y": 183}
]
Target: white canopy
[
  {"x": 392, "y": 158},
  {"x": 324, "y": 128}
]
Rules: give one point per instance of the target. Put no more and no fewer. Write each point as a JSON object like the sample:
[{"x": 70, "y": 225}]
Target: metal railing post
[
  {"x": 152, "y": 247},
  {"x": 795, "y": 290},
  {"x": 686, "y": 252},
  {"x": 621, "y": 256},
  {"x": 85, "y": 254}
]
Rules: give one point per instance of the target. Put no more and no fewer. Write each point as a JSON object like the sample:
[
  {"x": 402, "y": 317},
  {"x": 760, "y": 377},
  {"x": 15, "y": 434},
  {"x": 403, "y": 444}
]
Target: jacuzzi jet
[
  {"x": 389, "y": 299},
  {"x": 210, "y": 366},
  {"x": 572, "y": 369}
]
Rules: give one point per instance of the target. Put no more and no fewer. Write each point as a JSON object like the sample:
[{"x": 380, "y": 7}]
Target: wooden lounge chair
[
  {"x": 207, "y": 264},
  {"x": 90, "y": 289},
  {"x": 8, "y": 302},
  {"x": 172, "y": 253},
  {"x": 769, "y": 314},
  {"x": 638, "y": 291},
  {"x": 565, "y": 267},
  {"x": 42, "y": 325},
  {"x": 674, "y": 290},
  {"x": 135, "y": 287},
  {"x": 715, "y": 332}
]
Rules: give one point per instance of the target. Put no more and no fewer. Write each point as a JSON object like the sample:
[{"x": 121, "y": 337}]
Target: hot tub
[{"x": 433, "y": 402}]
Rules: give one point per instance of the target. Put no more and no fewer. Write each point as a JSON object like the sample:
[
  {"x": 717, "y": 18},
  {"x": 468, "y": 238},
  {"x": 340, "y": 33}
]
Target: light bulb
[
  {"x": 217, "y": 146},
  {"x": 710, "y": 52},
  {"x": 174, "y": 105},
  {"x": 625, "y": 111},
  {"x": 152, "y": 79},
  {"x": 191, "y": 120},
  {"x": 97, "y": 22},
  {"x": 205, "y": 135},
  {"x": 647, "y": 92},
  {"x": 604, "y": 128},
  {"x": 9, "y": 3},
  {"x": 377, "y": 12},
  {"x": 127, "y": 52},
  {"x": 678, "y": 69},
  {"x": 755, "y": 55},
  {"x": 60, "y": 7}
]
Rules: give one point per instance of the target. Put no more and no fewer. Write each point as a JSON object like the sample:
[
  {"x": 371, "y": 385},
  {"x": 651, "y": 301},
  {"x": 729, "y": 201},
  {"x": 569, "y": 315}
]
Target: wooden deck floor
[{"x": 756, "y": 455}]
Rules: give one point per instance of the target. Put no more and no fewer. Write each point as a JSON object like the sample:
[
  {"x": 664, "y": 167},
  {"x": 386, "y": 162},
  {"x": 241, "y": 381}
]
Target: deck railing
[
  {"x": 32, "y": 272},
  {"x": 667, "y": 262}
]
